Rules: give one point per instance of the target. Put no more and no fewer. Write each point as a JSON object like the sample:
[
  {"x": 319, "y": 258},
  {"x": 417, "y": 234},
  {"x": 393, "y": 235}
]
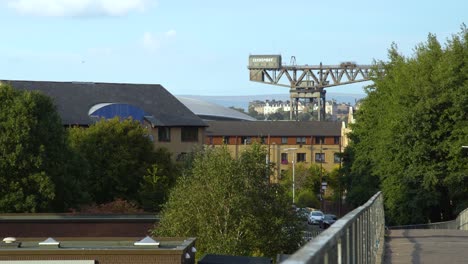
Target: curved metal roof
[{"x": 210, "y": 111}]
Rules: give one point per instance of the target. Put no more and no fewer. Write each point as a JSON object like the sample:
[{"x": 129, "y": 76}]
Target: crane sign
[{"x": 307, "y": 81}]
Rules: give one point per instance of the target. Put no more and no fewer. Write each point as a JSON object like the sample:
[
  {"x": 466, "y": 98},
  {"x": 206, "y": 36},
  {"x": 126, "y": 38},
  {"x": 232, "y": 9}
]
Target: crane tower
[{"x": 307, "y": 81}]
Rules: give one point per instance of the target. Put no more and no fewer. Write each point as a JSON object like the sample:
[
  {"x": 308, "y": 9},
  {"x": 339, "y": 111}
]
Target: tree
[
  {"x": 160, "y": 177},
  {"x": 34, "y": 174},
  {"x": 306, "y": 178},
  {"x": 409, "y": 131},
  {"x": 238, "y": 109},
  {"x": 231, "y": 207},
  {"x": 119, "y": 153}
]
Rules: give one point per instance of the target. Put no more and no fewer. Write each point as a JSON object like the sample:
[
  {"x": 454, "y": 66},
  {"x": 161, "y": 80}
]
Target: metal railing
[
  {"x": 358, "y": 237},
  {"x": 461, "y": 223}
]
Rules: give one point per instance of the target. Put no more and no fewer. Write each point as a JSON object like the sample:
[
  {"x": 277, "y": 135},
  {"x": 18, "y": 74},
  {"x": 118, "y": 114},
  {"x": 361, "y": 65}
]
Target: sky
[{"x": 202, "y": 47}]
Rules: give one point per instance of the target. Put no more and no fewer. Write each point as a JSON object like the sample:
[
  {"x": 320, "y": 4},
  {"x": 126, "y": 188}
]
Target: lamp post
[
  {"x": 322, "y": 156},
  {"x": 293, "y": 173}
]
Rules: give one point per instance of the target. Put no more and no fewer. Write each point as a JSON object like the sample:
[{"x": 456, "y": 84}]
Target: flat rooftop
[{"x": 100, "y": 243}]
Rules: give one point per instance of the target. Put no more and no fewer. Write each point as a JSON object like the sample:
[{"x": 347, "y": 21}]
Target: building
[
  {"x": 171, "y": 124},
  {"x": 209, "y": 111},
  {"x": 76, "y": 225},
  {"x": 97, "y": 250},
  {"x": 270, "y": 107},
  {"x": 311, "y": 142}
]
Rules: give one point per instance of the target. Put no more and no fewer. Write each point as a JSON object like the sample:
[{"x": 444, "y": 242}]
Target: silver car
[{"x": 315, "y": 217}]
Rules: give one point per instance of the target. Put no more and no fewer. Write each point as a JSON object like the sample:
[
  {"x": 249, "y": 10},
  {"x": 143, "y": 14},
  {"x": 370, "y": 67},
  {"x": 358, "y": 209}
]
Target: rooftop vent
[
  {"x": 10, "y": 242},
  {"x": 49, "y": 243},
  {"x": 147, "y": 242}
]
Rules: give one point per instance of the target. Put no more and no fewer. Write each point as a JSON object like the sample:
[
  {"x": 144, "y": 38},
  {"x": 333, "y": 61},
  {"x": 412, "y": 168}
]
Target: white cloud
[
  {"x": 171, "y": 33},
  {"x": 151, "y": 42},
  {"x": 79, "y": 8}
]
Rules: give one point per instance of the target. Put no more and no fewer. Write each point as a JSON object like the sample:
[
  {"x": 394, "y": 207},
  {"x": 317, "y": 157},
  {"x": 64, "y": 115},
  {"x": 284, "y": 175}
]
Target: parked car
[
  {"x": 328, "y": 220},
  {"x": 302, "y": 213},
  {"x": 315, "y": 217}
]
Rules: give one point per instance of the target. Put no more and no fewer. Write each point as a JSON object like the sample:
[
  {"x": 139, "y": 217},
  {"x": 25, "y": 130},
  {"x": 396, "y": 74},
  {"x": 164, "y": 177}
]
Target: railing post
[{"x": 355, "y": 238}]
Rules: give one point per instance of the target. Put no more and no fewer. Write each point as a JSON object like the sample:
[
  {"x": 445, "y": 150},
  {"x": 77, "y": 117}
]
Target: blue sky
[{"x": 202, "y": 47}]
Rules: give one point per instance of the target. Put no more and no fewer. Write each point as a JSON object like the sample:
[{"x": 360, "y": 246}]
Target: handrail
[
  {"x": 358, "y": 237},
  {"x": 460, "y": 223}
]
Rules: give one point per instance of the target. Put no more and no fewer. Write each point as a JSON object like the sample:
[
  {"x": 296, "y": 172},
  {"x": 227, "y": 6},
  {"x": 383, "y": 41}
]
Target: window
[
  {"x": 226, "y": 140},
  {"x": 189, "y": 134},
  {"x": 263, "y": 140},
  {"x": 164, "y": 134},
  {"x": 319, "y": 140},
  {"x": 301, "y": 157},
  {"x": 300, "y": 140},
  {"x": 337, "y": 158},
  {"x": 284, "y": 158},
  {"x": 246, "y": 140},
  {"x": 336, "y": 140},
  {"x": 320, "y": 157},
  {"x": 284, "y": 140},
  {"x": 211, "y": 140}
]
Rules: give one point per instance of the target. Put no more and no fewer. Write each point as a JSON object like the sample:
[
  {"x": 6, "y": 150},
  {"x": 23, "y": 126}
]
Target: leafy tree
[
  {"x": 409, "y": 132},
  {"x": 231, "y": 207},
  {"x": 118, "y": 152},
  {"x": 34, "y": 175},
  {"x": 305, "y": 179},
  {"x": 117, "y": 206},
  {"x": 255, "y": 114},
  {"x": 239, "y": 109},
  {"x": 307, "y": 198},
  {"x": 160, "y": 177}
]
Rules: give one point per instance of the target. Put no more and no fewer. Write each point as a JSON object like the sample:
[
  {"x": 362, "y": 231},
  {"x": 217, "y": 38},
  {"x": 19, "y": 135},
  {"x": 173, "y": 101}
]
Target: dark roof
[
  {"x": 273, "y": 128},
  {"x": 74, "y": 100}
]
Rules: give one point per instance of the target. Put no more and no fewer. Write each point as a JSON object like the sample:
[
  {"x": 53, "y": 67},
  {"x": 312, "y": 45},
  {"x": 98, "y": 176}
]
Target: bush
[{"x": 307, "y": 199}]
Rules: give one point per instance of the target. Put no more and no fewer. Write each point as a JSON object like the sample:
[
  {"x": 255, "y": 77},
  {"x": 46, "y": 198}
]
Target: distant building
[
  {"x": 171, "y": 124},
  {"x": 270, "y": 107},
  {"x": 287, "y": 141},
  {"x": 140, "y": 250}
]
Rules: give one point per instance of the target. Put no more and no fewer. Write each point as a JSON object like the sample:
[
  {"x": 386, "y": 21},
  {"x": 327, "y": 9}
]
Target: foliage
[
  {"x": 305, "y": 179},
  {"x": 409, "y": 132},
  {"x": 117, "y": 206},
  {"x": 160, "y": 177},
  {"x": 239, "y": 109},
  {"x": 307, "y": 198},
  {"x": 231, "y": 207},
  {"x": 34, "y": 174},
  {"x": 118, "y": 153}
]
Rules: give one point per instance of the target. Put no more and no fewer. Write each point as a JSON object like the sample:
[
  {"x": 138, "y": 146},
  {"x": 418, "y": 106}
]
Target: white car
[{"x": 315, "y": 217}]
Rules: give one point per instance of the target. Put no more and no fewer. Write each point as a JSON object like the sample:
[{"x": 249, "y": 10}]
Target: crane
[{"x": 307, "y": 81}]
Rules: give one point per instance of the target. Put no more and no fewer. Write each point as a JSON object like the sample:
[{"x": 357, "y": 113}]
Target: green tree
[
  {"x": 34, "y": 175},
  {"x": 159, "y": 178},
  {"x": 231, "y": 207},
  {"x": 118, "y": 153},
  {"x": 409, "y": 131}
]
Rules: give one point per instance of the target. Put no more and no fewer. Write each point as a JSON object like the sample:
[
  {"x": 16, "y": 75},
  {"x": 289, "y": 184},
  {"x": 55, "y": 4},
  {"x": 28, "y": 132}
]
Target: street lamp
[
  {"x": 294, "y": 172},
  {"x": 322, "y": 155}
]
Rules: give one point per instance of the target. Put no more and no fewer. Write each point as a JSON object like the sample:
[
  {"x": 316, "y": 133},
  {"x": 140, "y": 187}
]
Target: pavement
[{"x": 426, "y": 246}]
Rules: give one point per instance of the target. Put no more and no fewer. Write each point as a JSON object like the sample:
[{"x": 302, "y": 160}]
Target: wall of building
[
  {"x": 175, "y": 145},
  {"x": 275, "y": 148}
]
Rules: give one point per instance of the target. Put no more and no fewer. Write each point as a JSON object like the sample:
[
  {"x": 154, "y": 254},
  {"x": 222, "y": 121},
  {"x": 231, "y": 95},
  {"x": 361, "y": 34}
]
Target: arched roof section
[{"x": 111, "y": 110}]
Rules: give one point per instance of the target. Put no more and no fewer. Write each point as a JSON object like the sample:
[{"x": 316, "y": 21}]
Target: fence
[
  {"x": 358, "y": 237},
  {"x": 461, "y": 223}
]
